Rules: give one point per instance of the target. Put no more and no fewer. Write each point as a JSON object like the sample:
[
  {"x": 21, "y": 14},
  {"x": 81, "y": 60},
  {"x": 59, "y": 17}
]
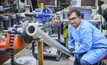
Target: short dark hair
[{"x": 74, "y": 10}]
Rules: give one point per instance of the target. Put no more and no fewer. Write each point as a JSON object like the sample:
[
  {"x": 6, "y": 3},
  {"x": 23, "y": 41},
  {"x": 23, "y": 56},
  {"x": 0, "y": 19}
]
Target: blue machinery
[{"x": 42, "y": 15}]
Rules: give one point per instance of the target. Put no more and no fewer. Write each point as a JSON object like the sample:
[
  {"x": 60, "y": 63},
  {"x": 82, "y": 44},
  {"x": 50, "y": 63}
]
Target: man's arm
[
  {"x": 85, "y": 42},
  {"x": 71, "y": 41}
]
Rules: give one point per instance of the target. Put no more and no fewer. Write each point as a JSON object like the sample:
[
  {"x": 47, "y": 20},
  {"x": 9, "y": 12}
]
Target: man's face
[{"x": 74, "y": 20}]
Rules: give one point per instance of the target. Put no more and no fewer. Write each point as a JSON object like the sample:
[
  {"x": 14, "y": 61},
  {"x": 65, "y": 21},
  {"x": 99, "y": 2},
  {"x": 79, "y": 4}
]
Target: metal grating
[
  {"x": 88, "y": 3},
  {"x": 50, "y": 3}
]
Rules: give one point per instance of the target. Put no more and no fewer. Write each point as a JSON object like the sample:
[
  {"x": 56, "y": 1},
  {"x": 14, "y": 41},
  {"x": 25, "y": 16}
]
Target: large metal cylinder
[{"x": 34, "y": 30}]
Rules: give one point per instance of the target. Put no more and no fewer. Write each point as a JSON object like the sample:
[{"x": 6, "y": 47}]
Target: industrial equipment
[
  {"x": 104, "y": 25},
  {"x": 54, "y": 31},
  {"x": 42, "y": 15}
]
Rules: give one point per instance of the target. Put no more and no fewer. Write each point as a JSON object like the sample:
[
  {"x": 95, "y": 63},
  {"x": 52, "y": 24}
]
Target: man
[{"x": 89, "y": 44}]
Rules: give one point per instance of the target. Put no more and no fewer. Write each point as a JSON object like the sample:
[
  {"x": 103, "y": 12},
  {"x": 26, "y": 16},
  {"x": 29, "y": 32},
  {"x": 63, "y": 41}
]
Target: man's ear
[{"x": 80, "y": 17}]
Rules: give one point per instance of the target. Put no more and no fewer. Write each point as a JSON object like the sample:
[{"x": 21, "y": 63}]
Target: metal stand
[
  {"x": 40, "y": 52},
  {"x": 11, "y": 50}
]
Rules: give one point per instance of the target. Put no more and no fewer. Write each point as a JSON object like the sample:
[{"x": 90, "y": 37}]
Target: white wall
[
  {"x": 105, "y": 1},
  {"x": 104, "y": 6}
]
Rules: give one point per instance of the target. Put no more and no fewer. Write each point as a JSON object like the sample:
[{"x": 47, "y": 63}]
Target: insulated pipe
[{"x": 34, "y": 30}]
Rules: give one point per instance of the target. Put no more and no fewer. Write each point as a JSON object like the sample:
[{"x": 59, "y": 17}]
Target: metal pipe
[{"x": 34, "y": 30}]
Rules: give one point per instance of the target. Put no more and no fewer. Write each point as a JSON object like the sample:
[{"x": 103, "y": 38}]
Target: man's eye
[{"x": 72, "y": 18}]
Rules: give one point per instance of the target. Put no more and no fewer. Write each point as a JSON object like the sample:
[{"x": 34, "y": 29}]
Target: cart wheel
[{"x": 58, "y": 58}]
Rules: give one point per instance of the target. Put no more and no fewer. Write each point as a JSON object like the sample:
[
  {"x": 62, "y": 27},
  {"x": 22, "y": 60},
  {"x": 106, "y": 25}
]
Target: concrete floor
[
  {"x": 52, "y": 61},
  {"x": 47, "y": 60},
  {"x": 26, "y": 52}
]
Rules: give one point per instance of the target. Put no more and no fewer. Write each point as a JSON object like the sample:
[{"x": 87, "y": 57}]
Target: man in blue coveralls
[{"x": 89, "y": 44}]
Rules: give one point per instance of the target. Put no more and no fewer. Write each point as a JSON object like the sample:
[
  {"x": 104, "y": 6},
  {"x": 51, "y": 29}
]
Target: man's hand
[{"x": 72, "y": 51}]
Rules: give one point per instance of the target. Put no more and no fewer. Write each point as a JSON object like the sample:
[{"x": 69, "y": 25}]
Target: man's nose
[{"x": 71, "y": 22}]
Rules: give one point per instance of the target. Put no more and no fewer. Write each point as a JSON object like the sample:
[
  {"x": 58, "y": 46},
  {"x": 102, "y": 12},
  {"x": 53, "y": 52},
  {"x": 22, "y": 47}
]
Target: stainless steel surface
[{"x": 38, "y": 33}]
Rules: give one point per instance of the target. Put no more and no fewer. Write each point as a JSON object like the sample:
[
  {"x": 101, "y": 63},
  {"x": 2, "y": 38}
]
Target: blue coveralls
[{"x": 89, "y": 43}]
